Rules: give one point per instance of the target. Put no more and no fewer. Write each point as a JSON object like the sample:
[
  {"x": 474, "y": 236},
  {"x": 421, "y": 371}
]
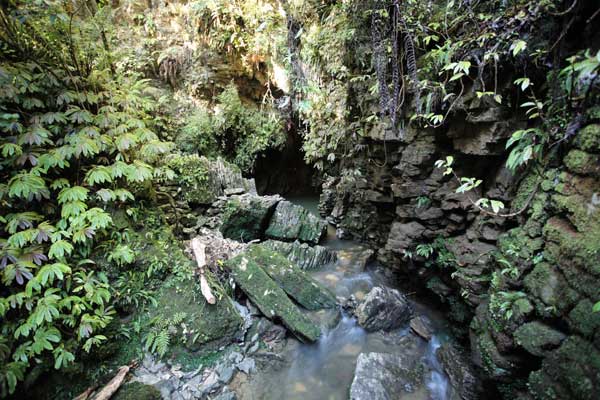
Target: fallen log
[
  {"x": 199, "y": 250},
  {"x": 114, "y": 384}
]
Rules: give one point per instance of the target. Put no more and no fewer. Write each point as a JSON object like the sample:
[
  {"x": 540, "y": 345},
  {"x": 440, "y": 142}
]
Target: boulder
[
  {"x": 295, "y": 282},
  {"x": 460, "y": 372},
  {"x": 292, "y": 222},
  {"x": 305, "y": 256},
  {"x": 383, "y": 308},
  {"x": 270, "y": 299},
  {"x": 206, "y": 324},
  {"x": 421, "y": 327},
  {"x": 385, "y": 377},
  {"x": 246, "y": 217},
  {"x": 538, "y": 338}
]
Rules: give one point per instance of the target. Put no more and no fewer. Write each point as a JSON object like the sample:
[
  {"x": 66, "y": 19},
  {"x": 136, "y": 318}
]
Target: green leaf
[
  {"x": 99, "y": 174},
  {"x": 59, "y": 249},
  {"x": 27, "y": 186},
  {"x": 496, "y": 206},
  {"x": 72, "y": 209},
  {"x": 596, "y": 307},
  {"x": 75, "y": 193}
]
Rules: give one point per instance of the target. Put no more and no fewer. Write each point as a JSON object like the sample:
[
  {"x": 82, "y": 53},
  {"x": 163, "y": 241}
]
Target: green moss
[
  {"x": 570, "y": 372},
  {"x": 246, "y": 218},
  {"x": 295, "y": 282},
  {"x": 269, "y": 297},
  {"x": 538, "y": 338},
  {"x": 581, "y": 162},
  {"x": 583, "y": 320},
  {"x": 192, "y": 177},
  {"x": 205, "y": 324},
  {"x": 291, "y": 222},
  {"x": 137, "y": 391},
  {"x": 551, "y": 291},
  {"x": 588, "y": 139}
]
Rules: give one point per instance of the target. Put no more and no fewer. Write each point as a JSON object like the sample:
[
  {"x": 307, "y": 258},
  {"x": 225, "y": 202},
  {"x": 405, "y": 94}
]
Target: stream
[{"x": 325, "y": 369}]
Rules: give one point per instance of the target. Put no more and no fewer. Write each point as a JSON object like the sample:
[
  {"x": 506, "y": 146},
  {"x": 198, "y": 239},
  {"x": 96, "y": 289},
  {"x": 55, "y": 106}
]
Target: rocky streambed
[{"x": 304, "y": 315}]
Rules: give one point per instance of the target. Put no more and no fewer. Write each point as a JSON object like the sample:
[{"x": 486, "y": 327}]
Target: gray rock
[
  {"x": 226, "y": 395},
  {"x": 460, "y": 372},
  {"x": 210, "y": 383},
  {"x": 245, "y": 217},
  {"x": 383, "y": 308},
  {"x": 385, "y": 377},
  {"x": 247, "y": 366},
  {"x": 225, "y": 372},
  {"x": 538, "y": 338},
  {"x": 293, "y": 222},
  {"x": 421, "y": 327},
  {"x": 305, "y": 256}
]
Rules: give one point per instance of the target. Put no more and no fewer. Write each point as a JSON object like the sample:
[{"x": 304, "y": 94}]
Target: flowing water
[{"x": 325, "y": 370}]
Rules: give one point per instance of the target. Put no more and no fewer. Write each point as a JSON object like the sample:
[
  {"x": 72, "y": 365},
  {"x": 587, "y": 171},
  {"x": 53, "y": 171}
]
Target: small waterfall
[{"x": 438, "y": 382}]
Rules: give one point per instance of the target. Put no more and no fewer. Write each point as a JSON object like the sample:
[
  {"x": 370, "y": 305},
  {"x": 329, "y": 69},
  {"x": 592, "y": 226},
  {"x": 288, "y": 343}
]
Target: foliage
[
  {"x": 163, "y": 329},
  {"x": 76, "y": 139},
  {"x": 435, "y": 253},
  {"x": 238, "y": 131}
]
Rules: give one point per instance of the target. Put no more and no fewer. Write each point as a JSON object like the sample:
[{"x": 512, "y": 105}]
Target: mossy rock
[
  {"x": 246, "y": 217},
  {"x": 302, "y": 254},
  {"x": 206, "y": 324},
  {"x": 550, "y": 289},
  {"x": 583, "y": 320},
  {"x": 137, "y": 391},
  {"x": 583, "y": 163},
  {"x": 538, "y": 338},
  {"x": 571, "y": 249},
  {"x": 295, "y": 282},
  {"x": 588, "y": 138},
  {"x": 569, "y": 372},
  {"x": 270, "y": 299},
  {"x": 291, "y": 222}
]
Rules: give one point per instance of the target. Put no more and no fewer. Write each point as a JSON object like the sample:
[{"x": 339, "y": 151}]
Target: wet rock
[
  {"x": 383, "y": 308},
  {"x": 460, "y": 372},
  {"x": 296, "y": 283},
  {"x": 305, "y": 256},
  {"x": 385, "y": 377},
  {"x": 291, "y": 222},
  {"x": 538, "y": 338},
  {"x": 269, "y": 297},
  {"x": 364, "y": 258},
  {"x": 246, "y": 217},
  {"x": 421, "y": 327}
]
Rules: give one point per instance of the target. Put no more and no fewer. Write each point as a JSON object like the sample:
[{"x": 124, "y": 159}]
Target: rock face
[
  {"x": 538, "y": 338},
  {"x": 383, "y": 308},
  {"x": 385, "y": 377},
  {"x": 305, "y": 256},
  {"x": 460, "y": 372},
  {"x": 270, "y": 299},
  {"x": 246, "y": 217},
  {"x": 292, "y": 222},
  {"x": 295, "y": 282}
]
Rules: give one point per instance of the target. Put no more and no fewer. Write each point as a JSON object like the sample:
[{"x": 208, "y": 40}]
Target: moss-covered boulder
[
  {"x": 270, "y": 299},
  {"x": 582, "y": 163},
  {"x": 292, "y": 222},
  {"x": 137, "y": 391},
  {"x": 295, "y": 282},
  {"x": 550, "y": 290},
  {"x": 538, "y": 338},
  {"x": 302, "y": 254},
  {"x": 583, "y": 321},
  {"x": 588, "y": 139},
  {"x": 570, "y": 372},
  {"x": 246, "y": 217},
  {"x": 205, "y": 324}
]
